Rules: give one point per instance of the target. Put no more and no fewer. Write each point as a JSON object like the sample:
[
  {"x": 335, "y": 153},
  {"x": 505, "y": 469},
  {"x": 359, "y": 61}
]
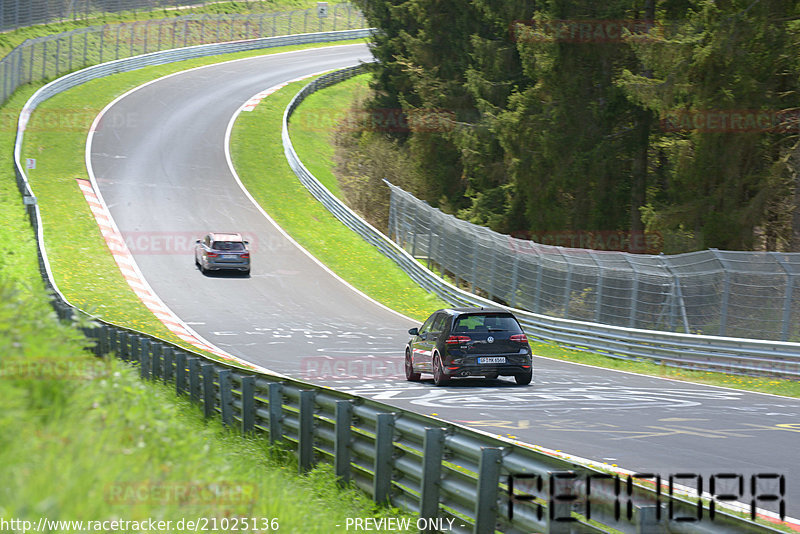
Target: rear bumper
[
  {"x": 233, "y": 265},
  {"x": 456, "y": 370}
]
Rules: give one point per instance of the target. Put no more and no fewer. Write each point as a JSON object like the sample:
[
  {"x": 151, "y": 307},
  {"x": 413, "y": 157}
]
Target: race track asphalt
[{"x": 159, "y": 161}]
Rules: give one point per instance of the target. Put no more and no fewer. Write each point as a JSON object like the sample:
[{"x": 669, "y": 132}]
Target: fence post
[
  {"x": 275, "y": 411},
  {"x": 488, "y": 484},
  {"x": 634, "y": 293},
  {"x": 305, "y": 442},
  {"x": 384, "y": 446},
  {"x": 787, "y": 296},
  {"x": 514, "y": 277},
  {"x": 226, "y": 397},
  {"x": 598, "y": 297},
  {"x": 433, "y": 447},
  {"x": 726, "y": 289},
  {"x": 248, "y": 404},
  {"x": 209, "y": 395},
  {"x": 567, "y": 284},
  {"x": 341, "y": 442}
]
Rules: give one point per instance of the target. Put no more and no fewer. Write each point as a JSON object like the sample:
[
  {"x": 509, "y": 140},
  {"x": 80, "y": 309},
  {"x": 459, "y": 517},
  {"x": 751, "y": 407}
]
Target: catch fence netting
[
  {"x": 45, "y": 58},
  {"x": 736, "y": 294}
]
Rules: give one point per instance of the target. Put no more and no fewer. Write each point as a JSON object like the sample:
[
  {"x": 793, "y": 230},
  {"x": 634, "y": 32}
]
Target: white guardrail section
[
  {"x": 713, "y": 353},
  {"x": 441, "y": 470}
]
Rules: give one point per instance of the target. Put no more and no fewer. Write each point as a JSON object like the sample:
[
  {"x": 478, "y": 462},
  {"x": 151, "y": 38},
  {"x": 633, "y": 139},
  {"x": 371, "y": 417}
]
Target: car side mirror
[
  {"x": 197, "y": 241},
  {"x": 246, "y": 242},
  {"x": 414, "y": 331}
]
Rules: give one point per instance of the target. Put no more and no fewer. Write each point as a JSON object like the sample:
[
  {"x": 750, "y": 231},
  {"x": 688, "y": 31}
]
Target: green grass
[
  {"x": 256, "y": 145},
  {"x": 83, "y": 438},
  {"x": 83, "y": 267}
]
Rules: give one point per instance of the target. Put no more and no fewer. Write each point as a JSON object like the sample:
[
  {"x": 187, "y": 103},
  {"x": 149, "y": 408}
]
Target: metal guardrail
[
  {"x": 714, "y": 353},
  {"x": 451, "y": 476},
  {"x": 439, "y": 469}
]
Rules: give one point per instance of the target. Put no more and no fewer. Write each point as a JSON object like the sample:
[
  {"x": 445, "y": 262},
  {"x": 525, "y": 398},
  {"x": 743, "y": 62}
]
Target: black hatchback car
[{"x": 461, "y": 342}]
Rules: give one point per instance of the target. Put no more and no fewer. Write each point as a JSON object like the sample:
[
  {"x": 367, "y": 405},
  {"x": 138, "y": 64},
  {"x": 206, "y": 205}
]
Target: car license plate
[
  {"x": 228, "y": 256},
  {"x": 492, "y": 359}
]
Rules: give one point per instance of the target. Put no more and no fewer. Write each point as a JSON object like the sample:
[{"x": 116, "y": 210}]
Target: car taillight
[
  {"x": 520, "y": 338},
  {"x": 457, "y": 340},
  {"x": 245, "y": 255},
  {"x": 212, "y": 254}
]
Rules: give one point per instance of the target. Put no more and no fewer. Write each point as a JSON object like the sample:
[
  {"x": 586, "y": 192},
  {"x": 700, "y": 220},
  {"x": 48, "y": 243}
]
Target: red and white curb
[
  {"x": 256, "y": 99},
  {"x": 127, "y": 266}
]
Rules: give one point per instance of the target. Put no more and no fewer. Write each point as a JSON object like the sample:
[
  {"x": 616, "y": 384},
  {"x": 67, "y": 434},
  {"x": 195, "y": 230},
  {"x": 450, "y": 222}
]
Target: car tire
[
  {"x": 439, "y": 378},
  {"x": 411, "y": 376},
  {"x": 523, "y": 379}
]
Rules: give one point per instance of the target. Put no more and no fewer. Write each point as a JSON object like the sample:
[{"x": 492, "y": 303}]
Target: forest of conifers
[{"x": 673, "y": 117}]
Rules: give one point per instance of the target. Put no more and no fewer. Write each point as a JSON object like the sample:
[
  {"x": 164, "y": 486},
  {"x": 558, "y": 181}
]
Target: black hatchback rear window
[
  {"x": 228, "y": 245},
  {"x": 486, "y": 323}
]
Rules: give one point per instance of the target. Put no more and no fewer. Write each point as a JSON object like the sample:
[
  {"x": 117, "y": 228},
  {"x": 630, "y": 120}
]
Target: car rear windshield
[
  {"x": 486, "y": 323},
  {"x": 228, "y": 245}
]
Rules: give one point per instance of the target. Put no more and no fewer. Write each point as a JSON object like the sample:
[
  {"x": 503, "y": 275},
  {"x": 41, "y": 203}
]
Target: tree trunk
[{"x": 639, "y": 170}]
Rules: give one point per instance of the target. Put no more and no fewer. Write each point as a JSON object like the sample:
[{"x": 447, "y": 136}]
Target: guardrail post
[
  {"x": 488, "y": 484},
  {"x": 144, "y": 357},
  {"x": 169, "y": 361},
  {"x": 384, "y": 446},
  {"x": 648, "y": 519},
  {"x": 122, "y": 346},
  {"x": 226, "y": 397},
  {"x": 305, "y": 442},
  {"x": 103, "y": 340},
  {"x": 113, "y": 341},
  {"x": 155, "y": 365},
  {"x": 433, "y": 447},
  {"x": 559, "y": 508},
  {"x": 209, "y": 395},
  {"x": 180, "y": 373},
  {"x": 248, "y": 404},
  {"x": 194, "y": 379},
  {"x": 341, "y": 442},
  {"x": 275, "y": 411}
]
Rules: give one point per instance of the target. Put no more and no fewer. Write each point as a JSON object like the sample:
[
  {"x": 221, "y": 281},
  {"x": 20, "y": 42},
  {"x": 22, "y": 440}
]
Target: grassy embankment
[
  {"x": 85, "y": 439},
  {"x": 312, "y": 134}
]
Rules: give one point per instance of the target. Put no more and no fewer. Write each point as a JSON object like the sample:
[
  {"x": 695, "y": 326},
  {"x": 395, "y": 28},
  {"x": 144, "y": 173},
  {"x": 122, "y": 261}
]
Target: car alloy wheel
[
  {"x": 411, "y": 376},
  {"x": 439, "y": 378}
]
